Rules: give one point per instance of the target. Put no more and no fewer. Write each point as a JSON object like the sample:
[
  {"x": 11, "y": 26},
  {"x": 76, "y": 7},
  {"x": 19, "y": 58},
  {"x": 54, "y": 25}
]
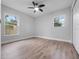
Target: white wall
[
  {"x": 25, "y": 25},
  {"x": 44, "y": 26},
  {"x": 41, "y": 26},
  {"x": 76, "y": 26}
]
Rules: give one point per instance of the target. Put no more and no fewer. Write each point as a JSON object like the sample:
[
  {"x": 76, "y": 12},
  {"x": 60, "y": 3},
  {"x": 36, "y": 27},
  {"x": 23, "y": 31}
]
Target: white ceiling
[{"x": 51, "y": 5}]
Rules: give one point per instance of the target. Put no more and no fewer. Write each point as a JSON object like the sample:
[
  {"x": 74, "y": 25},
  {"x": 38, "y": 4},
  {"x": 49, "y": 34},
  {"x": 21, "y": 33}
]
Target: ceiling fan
[{"x": 37, "y": 7}]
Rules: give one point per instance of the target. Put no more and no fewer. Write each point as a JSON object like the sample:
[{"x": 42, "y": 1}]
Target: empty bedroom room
[{"x": 39, "y": 29}]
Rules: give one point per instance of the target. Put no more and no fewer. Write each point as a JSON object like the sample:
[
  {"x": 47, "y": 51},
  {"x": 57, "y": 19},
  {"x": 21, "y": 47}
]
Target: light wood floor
[{"x": 37, "y": 48}]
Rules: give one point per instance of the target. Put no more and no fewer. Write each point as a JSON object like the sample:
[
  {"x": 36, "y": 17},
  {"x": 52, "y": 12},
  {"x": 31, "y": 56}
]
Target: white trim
[
  {"x": 18, "y": 24},
  {"x": 14, "y": 40},
  {"x": 59, "y": 16},
  {"x": 50, "y": 38},
  {"x": 45, "y": 37}
]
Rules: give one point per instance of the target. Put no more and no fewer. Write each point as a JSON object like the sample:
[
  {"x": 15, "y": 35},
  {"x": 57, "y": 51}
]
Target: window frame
[
  {"x": 18, "y": 23},
  {"x": 59, "y": 16}
]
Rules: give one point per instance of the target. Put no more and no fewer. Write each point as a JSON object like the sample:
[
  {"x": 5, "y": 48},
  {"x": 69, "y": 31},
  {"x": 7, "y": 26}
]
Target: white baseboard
[
  {"x": 8, "y": 41},
  {"x": 50, "y": 38},
  {"x": 45, "y": 37}
]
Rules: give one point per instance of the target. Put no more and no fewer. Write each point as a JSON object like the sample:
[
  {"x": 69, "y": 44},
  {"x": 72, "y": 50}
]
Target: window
[
  {"x": 59, "y": 21},
  {"x": 10, "y": 25}
]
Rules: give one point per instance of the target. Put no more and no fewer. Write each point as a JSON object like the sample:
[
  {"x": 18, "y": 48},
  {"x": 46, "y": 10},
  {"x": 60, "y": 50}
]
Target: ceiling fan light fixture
[{"x": 36, "y": 8}]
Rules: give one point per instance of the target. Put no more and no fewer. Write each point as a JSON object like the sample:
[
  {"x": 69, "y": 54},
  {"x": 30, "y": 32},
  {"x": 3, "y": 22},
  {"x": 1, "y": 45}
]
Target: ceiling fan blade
[
  {"x": 34, "y": 11},
  {"x": 42, "y": 5},
  {"x": 34, "y": 3},
  {"x": 41, "y": 10},
  {"x": 31, "y": 7}
]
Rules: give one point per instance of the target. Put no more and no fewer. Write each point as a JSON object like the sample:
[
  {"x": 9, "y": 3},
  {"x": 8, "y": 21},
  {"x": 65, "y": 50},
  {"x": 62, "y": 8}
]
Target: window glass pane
[
  {"x": 59, "y": 21},
  {"x": 10, "y": 25}
]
